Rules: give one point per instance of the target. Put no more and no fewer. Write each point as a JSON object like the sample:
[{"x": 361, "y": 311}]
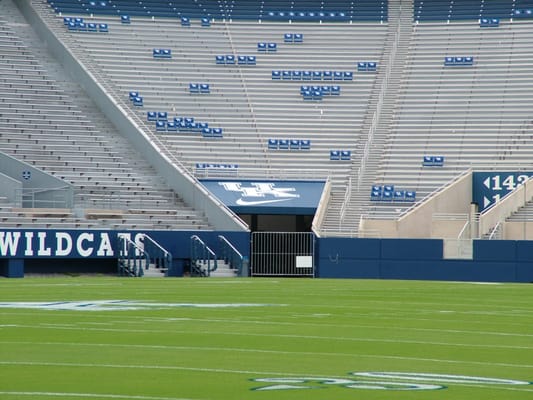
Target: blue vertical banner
[{"x": 490, "y": 187}]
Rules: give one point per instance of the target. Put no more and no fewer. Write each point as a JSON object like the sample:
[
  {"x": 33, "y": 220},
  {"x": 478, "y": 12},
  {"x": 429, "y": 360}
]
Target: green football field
[{"x": 256, "y": 339}]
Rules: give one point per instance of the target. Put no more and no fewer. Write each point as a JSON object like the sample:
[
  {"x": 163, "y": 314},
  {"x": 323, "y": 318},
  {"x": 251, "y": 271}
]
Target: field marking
[
  {"x": 261, "y": 351},
  {"x": 204, "y": 370},
  {"x": 86, "y": 395},
  {"x": 314, "y": 337}
]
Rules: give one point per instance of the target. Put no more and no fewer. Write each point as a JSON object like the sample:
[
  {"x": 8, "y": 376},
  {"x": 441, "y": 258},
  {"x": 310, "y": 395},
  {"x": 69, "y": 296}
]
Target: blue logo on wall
[
  {"x": 26, "y": 175},
  {"x": 268, "y": 197}
]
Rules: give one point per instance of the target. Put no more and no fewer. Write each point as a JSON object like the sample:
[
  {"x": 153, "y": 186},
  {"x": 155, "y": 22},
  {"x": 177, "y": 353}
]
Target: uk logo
[
  {"x": 26, "y": 175},
  {"x": 259, "y": 193}
]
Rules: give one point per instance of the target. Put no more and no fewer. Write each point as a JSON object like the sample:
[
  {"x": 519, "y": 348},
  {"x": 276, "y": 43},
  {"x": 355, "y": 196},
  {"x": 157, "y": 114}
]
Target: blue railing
[
  {"x": 232, "y": 256},
  {"x": 132, "y": 259},
  {"x": 159, "y": 257},
  {"x": 203, "y": 259}
]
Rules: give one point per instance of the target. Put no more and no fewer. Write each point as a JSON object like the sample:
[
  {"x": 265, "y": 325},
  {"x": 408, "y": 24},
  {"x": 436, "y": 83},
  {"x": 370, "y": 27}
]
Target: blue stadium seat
[
  {"x": 276, "y": 75},
  {"x": 362, "y": 66},
  {"x": 125, "y": 19},
  {"x": 67, "y": 21},
  {"x": 298, "y": 38},
  {"x": 375, "y": 195},
  {"x": 162, "y": 116},
  {"x": 204, "y": 88},
  {"x": 307, "y": 75},
  {"x": 338, "y": 76},
  {"x": 151, "y": 116},
  {"x": 271, "y": 47},
  {"x": 82, "y": 27},
  {"x": 230, "y": 59},
  {"x": 205, "y": 22},
  {"x": 335, "y": 90},
  {"x": 92, "y": 27},
  {"x": 272, "y": 144},
  {"x": 160, "y": 126},
  {"x": 220, "y": 59},
  {"x": 294, "y": 144},
  {"x": 194, "y": 88},
  {"x": 334, "y": 155},
  {"x": 398, "y": 195},
  {"x": 288, "y": 38},
  {"x": 286, "y": 75},
  {"x": 348, "y": 76},
  {"x": 185, "y": 21},
  {"x": 388, "y": 188},
  {"x": 439, "y": 161},
  {"x": 251, "y": 60},
  {"x": 104, "y": 28},
  {"x": 241, "y": 60},
  {"x": 317, "y": 75},
  {"x": 410, "y": 195},
  {"x": 283, "y": 144},
  {"x": 305, "y": 144},
  {"x": 387, "y": 195},
  {"x": 296, "y": 75},
  {"x": 171, "y": 126},
  {"x": 327, "y": 75},
  {"x": 217, "y": 132},
  {"x": 138, "y": 101},
  {"x": 346, "y": 155},
  {"x": 133, "y": 94},
  {"x": 261, "y": 46}
]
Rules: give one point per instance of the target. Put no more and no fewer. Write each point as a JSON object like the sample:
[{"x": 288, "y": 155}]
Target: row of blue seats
[
  {"x": 162, "y": 53},
  {"x": 312, "y": 10},
  {"x": 88, "y": 27},
  {"x": 232, "y": 60},
  {"x": 376, "y": 12},
  {"x": 458, "y": 61},
  {"x": 183, "y": 127},
  {"x": 289, "y": 144},
  {"x": 199, "y": 88},
  {"x": 270, "y": 46},
  {"x": 489, "y": 22},
  {"x": 340, "y": 155},
  {"x": 390, "y": 193},
  {"x": 204, "y": 166},
  {"x": 312, "y": 75},
  {"x": 367, "y": 66},
  {"x": 293, "y": 37},
  {"x": 433, "y": 161},
  {"x": 318, "y": 92}
]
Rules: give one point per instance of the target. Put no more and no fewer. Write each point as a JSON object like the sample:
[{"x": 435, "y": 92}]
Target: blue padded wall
[{"x": 421, "y": 259}]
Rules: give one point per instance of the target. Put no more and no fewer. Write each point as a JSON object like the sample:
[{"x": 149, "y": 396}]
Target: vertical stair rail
[
  {"x": 132, "y": 259},
  {"x": 160, "y": 258},
  {"x": 231, "y": 255},
  {"x": 203, "y": 259}
]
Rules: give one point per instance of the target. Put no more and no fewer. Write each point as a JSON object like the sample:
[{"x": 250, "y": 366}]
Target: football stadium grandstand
[{"x": 363, "y": 138}]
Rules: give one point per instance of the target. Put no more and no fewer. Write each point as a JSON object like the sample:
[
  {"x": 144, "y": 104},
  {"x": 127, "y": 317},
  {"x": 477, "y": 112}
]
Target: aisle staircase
[
  {"x": 206, "y": 263},
  {"x": 145, "y": 259}
]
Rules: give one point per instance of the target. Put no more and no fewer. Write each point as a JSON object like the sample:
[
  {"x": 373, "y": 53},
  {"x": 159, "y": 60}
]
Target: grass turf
[{"x": 200, "y": 339}]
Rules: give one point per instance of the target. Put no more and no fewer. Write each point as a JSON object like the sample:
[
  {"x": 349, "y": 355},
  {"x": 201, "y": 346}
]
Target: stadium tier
[{"x": 389, "y": 107}]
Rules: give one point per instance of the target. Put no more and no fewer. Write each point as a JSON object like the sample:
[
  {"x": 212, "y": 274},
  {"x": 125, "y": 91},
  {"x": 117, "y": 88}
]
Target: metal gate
[{"x": 283, "y": 254}]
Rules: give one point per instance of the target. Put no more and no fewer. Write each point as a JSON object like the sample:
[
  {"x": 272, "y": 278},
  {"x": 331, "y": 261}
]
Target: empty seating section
[
  {"x": 492, "y": 11},
  {"x": 274, "y": 10},
  {"x": 243, "y": 102},
  {"x": 475, "y": 115},
  {"x": 41, "y": 125}
]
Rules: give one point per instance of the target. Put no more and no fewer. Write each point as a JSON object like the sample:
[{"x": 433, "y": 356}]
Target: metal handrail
[
  {"x": 203, "y": 259},
  {"x": 161, "y": 257},
  {"x": 132, "y": 258},
  {"x": 231, "y": 255}
]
